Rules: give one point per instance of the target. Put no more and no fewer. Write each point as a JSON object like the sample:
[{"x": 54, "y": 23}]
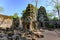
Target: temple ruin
[
  {"x": 5, "y": 21},
  {"x": 29, "y": 17}
]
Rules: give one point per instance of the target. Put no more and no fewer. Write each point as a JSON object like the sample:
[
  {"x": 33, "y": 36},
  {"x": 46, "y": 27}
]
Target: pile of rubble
[
  {"x": 22, "y": 34},
  {"x": 32, "y": 35}
]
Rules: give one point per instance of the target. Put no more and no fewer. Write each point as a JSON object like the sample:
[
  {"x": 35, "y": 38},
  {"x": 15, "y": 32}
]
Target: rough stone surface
[{"x": 5, "y": 21}]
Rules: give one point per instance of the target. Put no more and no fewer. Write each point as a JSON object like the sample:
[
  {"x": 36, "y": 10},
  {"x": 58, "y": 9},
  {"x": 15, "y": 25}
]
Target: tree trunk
[{"x": 58, "y": 14}]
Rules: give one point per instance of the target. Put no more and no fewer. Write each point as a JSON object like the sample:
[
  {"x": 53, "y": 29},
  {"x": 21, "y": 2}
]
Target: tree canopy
[{"x": 15, "y": 15}]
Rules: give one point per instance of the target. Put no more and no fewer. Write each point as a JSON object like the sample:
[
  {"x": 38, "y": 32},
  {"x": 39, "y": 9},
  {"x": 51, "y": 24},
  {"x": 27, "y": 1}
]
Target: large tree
[{"x": 57, "y": 6}]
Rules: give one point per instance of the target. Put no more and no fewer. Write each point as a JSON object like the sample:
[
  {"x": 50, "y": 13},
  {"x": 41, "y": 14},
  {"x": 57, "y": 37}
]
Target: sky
[{"x": 17, "y": 6}]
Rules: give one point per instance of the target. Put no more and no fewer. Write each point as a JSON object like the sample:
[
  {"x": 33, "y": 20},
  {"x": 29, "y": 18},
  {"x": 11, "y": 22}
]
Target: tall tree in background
[{"x": 57, "y": 6}]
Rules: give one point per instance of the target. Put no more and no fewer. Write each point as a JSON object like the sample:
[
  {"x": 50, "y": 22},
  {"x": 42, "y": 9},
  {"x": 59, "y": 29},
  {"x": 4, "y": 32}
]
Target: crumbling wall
[
  {"x": 15, "y": 23},
  {"x": 42, "y": 16},
  {"x": 5, "y": 21}
]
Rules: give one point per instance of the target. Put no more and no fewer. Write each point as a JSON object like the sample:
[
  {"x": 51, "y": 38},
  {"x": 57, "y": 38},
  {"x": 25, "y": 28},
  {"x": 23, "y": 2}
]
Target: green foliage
[
  {"x": 55, "y": 18},
  {"x": 57, "y": 6},
  {"x": 15, "y": 15},
  {"x": 49, "y": 15},
  {"x": 52, "y": 17},
  {"x": 51, "y": 26}
]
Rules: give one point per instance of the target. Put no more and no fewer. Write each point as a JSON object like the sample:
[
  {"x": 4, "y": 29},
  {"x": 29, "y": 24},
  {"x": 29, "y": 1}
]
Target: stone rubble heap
[{"x": 32, "y": 35}]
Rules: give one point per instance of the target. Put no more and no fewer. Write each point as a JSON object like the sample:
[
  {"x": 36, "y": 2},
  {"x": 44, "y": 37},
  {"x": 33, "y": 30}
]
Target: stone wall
[{"x": 5, "y": 21}]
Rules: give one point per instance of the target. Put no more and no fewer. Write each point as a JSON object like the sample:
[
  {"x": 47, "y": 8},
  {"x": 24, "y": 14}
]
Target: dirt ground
[{"x": 51, "y": 35}]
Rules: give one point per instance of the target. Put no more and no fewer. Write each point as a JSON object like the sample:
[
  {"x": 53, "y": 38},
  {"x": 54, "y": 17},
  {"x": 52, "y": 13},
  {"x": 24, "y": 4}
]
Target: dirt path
[{"x": 50, "y": 35}]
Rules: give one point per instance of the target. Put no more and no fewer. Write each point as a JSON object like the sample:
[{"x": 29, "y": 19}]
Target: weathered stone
[
  {"x": 29, "y": 17},
  {"x": 41, "y": 17},
  {"x": 5, "y": 21}
]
